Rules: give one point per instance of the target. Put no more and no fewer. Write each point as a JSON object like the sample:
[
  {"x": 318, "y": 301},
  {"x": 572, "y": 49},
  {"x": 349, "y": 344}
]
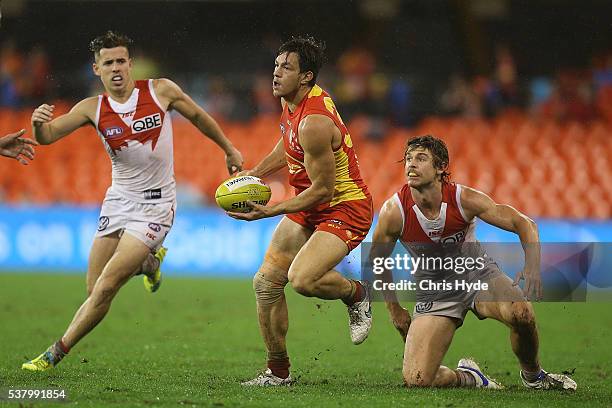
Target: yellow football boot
[{"x": 41, "y": 363}]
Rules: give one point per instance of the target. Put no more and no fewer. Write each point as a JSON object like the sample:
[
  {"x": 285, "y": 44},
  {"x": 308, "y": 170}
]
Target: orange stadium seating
[{"x": 545, "y": 169}]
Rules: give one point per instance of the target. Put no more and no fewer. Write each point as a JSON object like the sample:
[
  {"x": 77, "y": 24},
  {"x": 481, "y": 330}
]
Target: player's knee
[
  {"x": 107, "y": 286},
  {"x": 103, "y": 293},
  {"x": 416, "y": 378},
  {"x": 303, "y": 285},
  {"x": 269, "y": 287},
  {"x": 521, "y": 315}
]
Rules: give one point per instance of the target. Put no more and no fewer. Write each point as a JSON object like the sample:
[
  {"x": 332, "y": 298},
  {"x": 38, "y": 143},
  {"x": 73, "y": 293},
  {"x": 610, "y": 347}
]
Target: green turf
[{"x": 191, "y": 344}]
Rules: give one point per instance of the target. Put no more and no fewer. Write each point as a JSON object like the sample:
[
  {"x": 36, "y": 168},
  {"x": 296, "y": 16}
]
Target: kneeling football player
[{"x": 429, "y": 212}]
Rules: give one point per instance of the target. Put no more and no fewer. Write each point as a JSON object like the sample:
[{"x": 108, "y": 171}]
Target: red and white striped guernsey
[
  {"x": 451, "y": 225},
  {"x": 137, "y": 135}
]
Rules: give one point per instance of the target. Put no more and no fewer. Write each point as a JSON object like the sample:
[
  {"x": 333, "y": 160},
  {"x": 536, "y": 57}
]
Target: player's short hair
[
  {"x": 438, "y": 150},
  {"x": 310, "y": 52},
  {"x": 110, "y": 39}
]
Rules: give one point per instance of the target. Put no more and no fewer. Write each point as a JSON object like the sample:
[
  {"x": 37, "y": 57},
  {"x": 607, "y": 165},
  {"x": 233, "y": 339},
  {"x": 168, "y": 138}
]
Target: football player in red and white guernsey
[
  {"x": 329, "y": 216},
  {"x": 429, "y": 210},
  {"x": 132, "y": 119}
]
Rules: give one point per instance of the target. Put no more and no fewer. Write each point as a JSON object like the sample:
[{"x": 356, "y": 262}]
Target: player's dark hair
[
  {"x": 438, "y": 150},
  {"x": 310, "y": 52},
  {"x": 110, "y": 39}
]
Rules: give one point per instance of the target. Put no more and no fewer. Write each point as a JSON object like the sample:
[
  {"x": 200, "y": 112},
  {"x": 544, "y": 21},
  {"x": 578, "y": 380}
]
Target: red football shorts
[{"x": 350, "y": 220}]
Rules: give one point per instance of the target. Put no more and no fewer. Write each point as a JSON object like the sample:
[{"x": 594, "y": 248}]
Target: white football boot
[
  {"x": 360, "y": 317},
  {"x": 267, "y": 379},
  {"x": 549, "y": 381},
  {"x": 482, "y": 381}
]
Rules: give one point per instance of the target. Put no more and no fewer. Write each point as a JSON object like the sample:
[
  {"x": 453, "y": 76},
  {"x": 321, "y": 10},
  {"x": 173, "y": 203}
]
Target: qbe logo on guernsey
[{"x": 147, "y": 123}]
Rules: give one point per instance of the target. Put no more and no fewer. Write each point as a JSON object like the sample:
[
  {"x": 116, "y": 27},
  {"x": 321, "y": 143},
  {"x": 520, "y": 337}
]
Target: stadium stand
[{"x": 545, "y": 168}]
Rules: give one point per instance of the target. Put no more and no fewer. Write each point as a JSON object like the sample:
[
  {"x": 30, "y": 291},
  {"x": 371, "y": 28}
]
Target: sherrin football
[{"x": 233, "y": 194}]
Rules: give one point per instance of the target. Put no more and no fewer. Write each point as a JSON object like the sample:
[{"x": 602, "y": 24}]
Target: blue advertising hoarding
[{"x": 202, "y": 241}]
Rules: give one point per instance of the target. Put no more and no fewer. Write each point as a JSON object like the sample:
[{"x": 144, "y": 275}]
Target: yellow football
[{"x": 233, "y": 194}]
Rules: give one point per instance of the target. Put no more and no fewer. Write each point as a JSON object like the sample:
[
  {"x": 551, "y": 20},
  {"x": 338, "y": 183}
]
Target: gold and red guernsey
[
  {"x": 349, "y": 184},
  {"x": 146, "y": 121}
]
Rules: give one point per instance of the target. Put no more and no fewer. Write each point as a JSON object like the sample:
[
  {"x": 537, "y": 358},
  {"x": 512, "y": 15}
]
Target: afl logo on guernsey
[
  {"x": 146, "y": 123},
  {"x": 155, "y": 227},
  {"x": 114, "y": 131}
]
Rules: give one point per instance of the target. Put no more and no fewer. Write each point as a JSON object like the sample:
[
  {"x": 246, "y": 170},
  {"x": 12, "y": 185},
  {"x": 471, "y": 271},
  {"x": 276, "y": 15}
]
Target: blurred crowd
[
  {"x": 565, "y": 118},
  {"x": 358, "y": 82},
  {"x": 23, "y": 76},
  {"x": 571, "y": 94}
]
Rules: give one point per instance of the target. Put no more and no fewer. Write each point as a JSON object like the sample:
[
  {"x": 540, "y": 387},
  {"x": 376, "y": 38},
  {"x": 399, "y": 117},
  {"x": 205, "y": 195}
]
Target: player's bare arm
[
  {"x": 17, "y": 147},
  {"x": 316, "y": 133},
  {"x": 273, "y": 162},
  {"x": 388, "y": 231},
  {"x": 477, "y": 204},
  {"x": 172, "y": 97},
  {"x": 47, "y": 130}
]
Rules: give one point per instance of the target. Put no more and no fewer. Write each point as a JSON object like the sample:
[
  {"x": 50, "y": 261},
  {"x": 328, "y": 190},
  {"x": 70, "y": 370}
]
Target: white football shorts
[{"x": 150, "y": 223}]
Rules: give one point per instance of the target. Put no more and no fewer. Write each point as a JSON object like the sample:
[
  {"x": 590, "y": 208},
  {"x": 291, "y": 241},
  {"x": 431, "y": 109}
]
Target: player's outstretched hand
[
  {"x": 533, "y": 283},
  {"x": 17, "y": 147},
  {"x": 42, "y": 114},
  {"x": 257, "y": 212},
  {"x": 400, "y": 318},
  {"x": 234, "y": 161}
]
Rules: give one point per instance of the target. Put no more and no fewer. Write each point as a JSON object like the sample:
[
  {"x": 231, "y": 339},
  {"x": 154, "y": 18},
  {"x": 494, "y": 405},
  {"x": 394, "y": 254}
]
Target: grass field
[{"x": 193, "y": 342}]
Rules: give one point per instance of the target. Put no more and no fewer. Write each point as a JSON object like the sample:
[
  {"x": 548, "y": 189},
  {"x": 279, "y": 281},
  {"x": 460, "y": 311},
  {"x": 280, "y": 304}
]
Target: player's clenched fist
[{"x": 42, "y": 114}]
